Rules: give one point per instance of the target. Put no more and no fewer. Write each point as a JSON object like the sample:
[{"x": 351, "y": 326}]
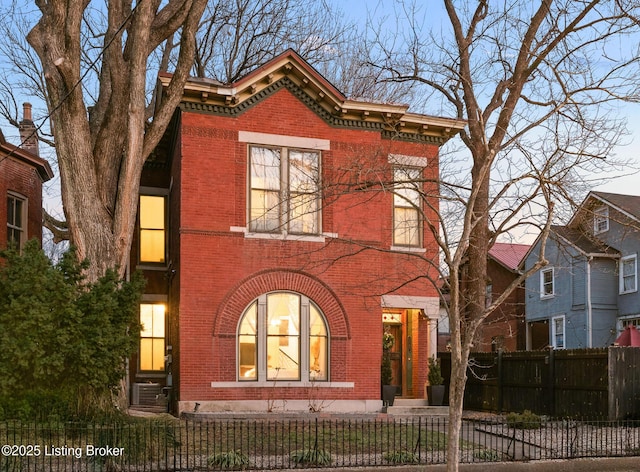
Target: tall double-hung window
[
  {"x": 284, "y": 196},
  {"x": 558, "y": 332},
  {"x": 407, "y": 227},
  {"x": 16, "y": 220},
  {"x": 628, "y": 274},
  {"x": 547, "y": 282},
  {"x": 153, "y": 234},
  {"x": 152, "y": 337},
  {"x": 601, "y": 220}
]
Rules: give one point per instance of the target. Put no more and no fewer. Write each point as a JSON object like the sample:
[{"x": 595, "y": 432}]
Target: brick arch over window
[{"x": 249, "y": 289}]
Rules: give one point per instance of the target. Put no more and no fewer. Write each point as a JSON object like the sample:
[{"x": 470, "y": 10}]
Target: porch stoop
[{"x": 415, "y": 407}]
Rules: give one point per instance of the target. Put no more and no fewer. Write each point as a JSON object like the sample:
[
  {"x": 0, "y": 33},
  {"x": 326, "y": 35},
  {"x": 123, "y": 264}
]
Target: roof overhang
[
  {"x": 295, "y": 73},
  {"x": 8, "y": 150},
  {"x": 595, "y": 197}
]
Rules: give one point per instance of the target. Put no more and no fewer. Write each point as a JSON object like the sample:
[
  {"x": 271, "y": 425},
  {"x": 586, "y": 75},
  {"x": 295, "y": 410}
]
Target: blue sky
[{"x": 360, "y": 10}]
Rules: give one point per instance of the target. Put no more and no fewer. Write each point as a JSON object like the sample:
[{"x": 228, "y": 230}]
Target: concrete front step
[
  {"x": 416, "y": 407},
  {"x": 399, "y": 401}
]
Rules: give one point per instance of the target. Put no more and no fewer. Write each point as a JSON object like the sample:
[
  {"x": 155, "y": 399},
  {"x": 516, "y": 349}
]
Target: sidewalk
[{"x": 615, "y": 464}]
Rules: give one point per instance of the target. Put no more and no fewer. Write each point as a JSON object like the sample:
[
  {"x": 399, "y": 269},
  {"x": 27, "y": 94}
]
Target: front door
[{"x": 396, "y": 355}]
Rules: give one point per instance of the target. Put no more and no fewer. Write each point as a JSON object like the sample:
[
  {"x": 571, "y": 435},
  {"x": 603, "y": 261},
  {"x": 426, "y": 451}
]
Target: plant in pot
[
  {"x": 388, "y": 390},
  {"x": 435, "y": 389}
]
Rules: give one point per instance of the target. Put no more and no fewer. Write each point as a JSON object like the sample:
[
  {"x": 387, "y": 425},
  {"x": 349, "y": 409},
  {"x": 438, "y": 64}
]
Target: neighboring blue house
[{"x": 589, "y": 290}]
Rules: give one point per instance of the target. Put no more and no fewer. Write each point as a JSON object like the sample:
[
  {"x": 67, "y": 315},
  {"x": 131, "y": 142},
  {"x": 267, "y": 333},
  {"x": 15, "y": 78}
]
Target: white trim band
[{"x": 282, "y": 140}]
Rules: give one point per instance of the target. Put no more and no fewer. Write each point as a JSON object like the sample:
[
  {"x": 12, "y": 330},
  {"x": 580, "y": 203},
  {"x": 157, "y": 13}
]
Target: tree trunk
[{"x": 101, "y": 151}]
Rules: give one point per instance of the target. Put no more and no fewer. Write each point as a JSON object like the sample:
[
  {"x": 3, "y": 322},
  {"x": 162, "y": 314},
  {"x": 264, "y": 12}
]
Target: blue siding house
[{"x": 588, "y": 292}]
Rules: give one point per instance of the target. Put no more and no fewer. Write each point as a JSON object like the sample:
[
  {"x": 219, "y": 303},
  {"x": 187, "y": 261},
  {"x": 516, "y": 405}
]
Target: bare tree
[
  {"x": 237, "y": 36},
  {"x": 95, "y": 73},
  {"x": 93, "y": 62},
  {"x": 536, "y": 84}
]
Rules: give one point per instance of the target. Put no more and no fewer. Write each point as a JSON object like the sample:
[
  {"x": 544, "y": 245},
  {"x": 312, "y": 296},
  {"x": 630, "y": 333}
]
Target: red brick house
[
  {"x": 276, "y": 252},
  {"x": 505, "y": 327},
  {"x": 22, "y": 174}
]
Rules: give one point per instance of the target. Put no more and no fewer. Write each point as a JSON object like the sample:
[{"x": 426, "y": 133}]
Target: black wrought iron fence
[{"x": 269, "y": 444}]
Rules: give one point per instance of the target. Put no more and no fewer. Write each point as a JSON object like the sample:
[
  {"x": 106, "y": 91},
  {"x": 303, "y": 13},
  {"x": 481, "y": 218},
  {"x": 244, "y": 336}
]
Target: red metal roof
[{"x": 509, "y": 255}]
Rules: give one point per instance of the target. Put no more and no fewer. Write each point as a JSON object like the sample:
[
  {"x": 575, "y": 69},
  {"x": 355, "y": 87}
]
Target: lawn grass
[{"x": 143, "y": 438}]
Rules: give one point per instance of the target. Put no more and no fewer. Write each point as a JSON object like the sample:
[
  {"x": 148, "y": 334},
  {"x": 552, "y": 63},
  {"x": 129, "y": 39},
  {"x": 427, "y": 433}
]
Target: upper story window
[
  {"x": 283, "y": 336},
  {"x": 284, "y": 196},
  {"x": 407, "y": 227},
  {"x": 547, "y": 288},
  {"x": 16, "y": 220},
  {"x": 153, "y": 217},
  {"x": 628, "y": 274},
  {"x": 601, "y": 219},
  {"x": 488, "y": 295}
]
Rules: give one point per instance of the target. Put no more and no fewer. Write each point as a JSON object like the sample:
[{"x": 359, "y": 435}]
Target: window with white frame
[
  {"x": 152, "y": 336},
  {"x": 628, "y": 274},
  {"x": 601, "y": 219},
  {"x": 558, "y": 330},
  {"x": 16, "y": 220},
  {"x": 547, "y": 283},
  {"x": 284, "y": 195},
  {"x": 283, "y": 336},
  {"x": 406, "y": 207}
]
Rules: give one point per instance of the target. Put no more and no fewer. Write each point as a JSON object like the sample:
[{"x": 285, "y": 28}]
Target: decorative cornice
[
  {"x": 414, "y": 137},
  {"x": 291, "y": 72},
  {"x": 313, "y": 105},
  {"x": 298, "y": 92}
]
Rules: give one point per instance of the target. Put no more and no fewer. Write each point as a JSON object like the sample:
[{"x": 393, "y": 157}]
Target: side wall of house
[
  {"x": 562, "y": 260},
  {"x": 504, "y": 328},
  {"x": 623, "y": 235},
  {"x": 23, "y": 180}
]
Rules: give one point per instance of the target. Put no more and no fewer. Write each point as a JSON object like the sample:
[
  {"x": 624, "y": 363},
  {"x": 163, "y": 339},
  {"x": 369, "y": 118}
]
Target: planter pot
[
  {"x": 435, "y": 393},
  {"x": 388, "y": 395}
]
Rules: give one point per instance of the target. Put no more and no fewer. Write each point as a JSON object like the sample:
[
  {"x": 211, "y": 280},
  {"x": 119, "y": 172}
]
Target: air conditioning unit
[{"x": 145, "y": 393}]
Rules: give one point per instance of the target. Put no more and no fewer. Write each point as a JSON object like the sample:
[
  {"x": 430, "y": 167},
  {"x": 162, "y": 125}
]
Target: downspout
[{"x": 589, "y": 310}]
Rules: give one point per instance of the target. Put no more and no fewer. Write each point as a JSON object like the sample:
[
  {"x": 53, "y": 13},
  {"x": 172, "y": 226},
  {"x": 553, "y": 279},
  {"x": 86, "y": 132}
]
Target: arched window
[{"x": 283, "y": 336}]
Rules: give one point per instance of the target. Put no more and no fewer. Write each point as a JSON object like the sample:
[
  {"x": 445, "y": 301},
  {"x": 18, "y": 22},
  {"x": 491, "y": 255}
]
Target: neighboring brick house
[
  {"x": 588, "y": 292},
  {"x": 504, "y": 328},
  {"x": 22, "y": 174},
  {"x": 273, "y": 256}
]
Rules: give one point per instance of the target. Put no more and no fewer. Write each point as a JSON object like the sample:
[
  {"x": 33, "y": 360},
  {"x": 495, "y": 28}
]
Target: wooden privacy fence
[{"x": 587, "y": 383}]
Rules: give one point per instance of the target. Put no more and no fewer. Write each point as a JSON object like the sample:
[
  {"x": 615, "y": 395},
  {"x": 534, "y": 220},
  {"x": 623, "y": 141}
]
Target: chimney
[{"x": 28, "y": 131}]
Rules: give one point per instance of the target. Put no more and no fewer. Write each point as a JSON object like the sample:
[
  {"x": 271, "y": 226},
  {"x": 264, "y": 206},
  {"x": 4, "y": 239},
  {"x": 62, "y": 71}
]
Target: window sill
[
  {"x": 314, "y": 238},
  {"x": 282, "y": 384},
  {"x": 547, "y": 297},
  {"x": 151, "y": 267},
  {"x": 151, "y": 374},
  {"x": 628, "y": 292},
  {"x": 415, "y": 250}
]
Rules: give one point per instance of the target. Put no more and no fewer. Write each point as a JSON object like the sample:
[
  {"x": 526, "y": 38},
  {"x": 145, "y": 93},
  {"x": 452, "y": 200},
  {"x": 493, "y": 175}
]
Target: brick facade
[
  {"x": 22, "y": 175},
  {"x": 216, "y": 268}
]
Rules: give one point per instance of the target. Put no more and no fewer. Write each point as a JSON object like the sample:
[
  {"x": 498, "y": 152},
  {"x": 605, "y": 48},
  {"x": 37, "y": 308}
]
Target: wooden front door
[{"x": 396, "y": 356}]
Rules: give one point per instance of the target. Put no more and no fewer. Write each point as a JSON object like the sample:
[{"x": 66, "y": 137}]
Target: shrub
[
  {"x": 311, "y": 457},
  {"x": 386, "y": 374},
  {"x": 435, "y": 375},
  {"x": 401, "y": 457},
  {"x": 64, "y": 340},
  {"x": 229, "y": 460},
  {"x": 524, "y": 420}
]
